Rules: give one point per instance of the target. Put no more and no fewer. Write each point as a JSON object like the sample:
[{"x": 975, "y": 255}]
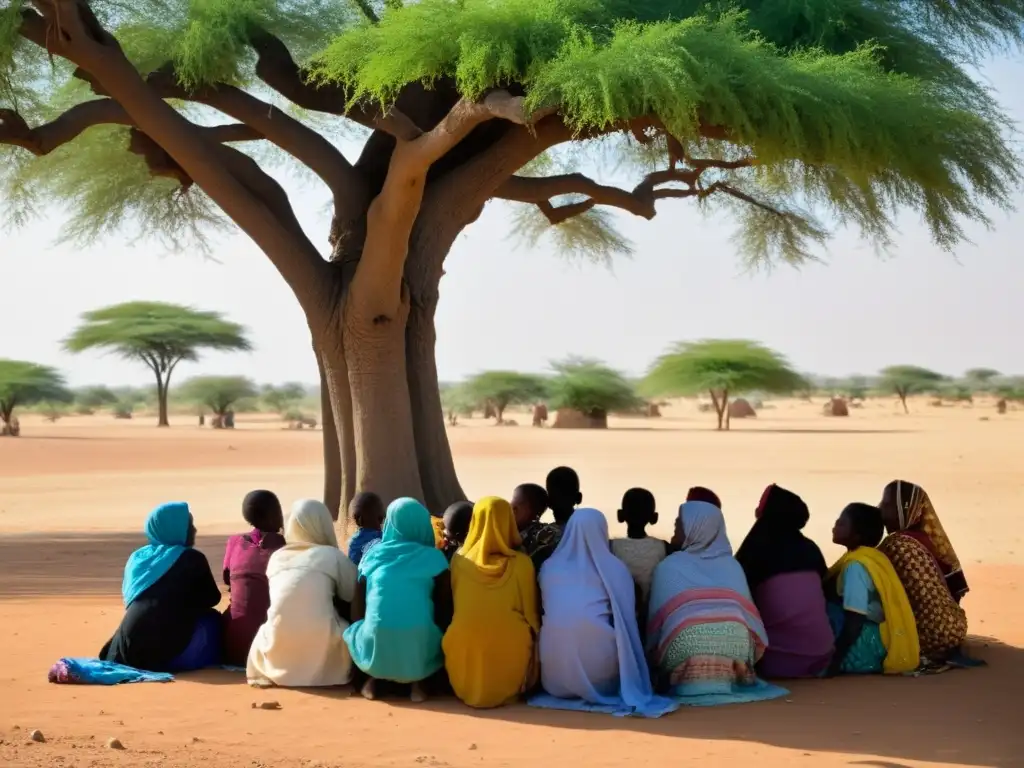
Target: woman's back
[
  {"x": 304, "y": 591},
  {"x": 793, "y": 609}
]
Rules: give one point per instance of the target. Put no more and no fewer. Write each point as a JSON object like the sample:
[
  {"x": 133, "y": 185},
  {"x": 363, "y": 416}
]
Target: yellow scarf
[
  {"x": 899, "y": 632},
  {"x": 491, "y": 542}
]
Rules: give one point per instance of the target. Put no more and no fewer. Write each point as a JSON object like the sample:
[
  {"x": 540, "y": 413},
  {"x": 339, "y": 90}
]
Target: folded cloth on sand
[{"x": 96, "y": 672}]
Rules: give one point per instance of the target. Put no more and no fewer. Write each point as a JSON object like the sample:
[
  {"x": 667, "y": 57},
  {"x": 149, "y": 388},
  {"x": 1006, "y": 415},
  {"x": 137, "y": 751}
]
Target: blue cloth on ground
[
  {"x": 167, "y": 530},
  {"x": 741, "y": 694},
  {"x": 80, "y": 671}
]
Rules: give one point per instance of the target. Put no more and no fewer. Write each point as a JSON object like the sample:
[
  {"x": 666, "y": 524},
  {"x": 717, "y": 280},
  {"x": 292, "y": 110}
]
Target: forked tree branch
[
  {"x": 277, "y": 69},
  {"x": 640, "y": 201}
]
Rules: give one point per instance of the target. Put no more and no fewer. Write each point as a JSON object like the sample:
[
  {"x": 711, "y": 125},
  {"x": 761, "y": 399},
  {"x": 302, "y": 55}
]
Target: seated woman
[
  {"x": 169, "y": 624},
  {"x": 489, "y": 648},
  {"x": 704, "y": 633},
  {"x": 245, "y": 572},
  {"x": 928, "y": 567},
  {"x": 784, "y": 570},
  {"x": 301, "y": 644},
  {"x": 869, "y": 611},
  {"x": 591, "y": 656},
  {"x": 402, "y": 603}
]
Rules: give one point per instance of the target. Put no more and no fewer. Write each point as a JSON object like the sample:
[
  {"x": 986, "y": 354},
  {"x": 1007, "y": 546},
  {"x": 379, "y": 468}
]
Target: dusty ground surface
[{"x": 73, "y": 496}]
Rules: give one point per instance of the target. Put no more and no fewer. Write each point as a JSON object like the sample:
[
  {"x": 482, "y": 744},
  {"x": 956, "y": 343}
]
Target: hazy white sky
[{"x": 508, "y": 307}]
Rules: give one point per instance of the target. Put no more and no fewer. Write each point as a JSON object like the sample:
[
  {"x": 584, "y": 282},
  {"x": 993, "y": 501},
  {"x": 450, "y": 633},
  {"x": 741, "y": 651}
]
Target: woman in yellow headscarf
[{"x": 490, "y": 647}]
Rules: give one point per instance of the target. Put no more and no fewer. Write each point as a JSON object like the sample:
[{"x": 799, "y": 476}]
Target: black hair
[
  {"x": 457, "y": 519},
  {"x": 866, "y": 520},
  {"x": 535, "y": 496},
  {"x": 638, "y": 508},
  {"x": 365, "y": 503},
  {"x": 262, "y": 510}
]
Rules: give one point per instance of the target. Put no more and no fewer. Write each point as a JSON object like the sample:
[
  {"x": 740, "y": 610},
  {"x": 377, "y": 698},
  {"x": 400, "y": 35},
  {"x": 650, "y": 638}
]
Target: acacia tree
[
  {"x": 721, "y": 367},
  {"x": 159, "y": 335},
  {"x": 218, "y": 393},
  {"x": 906, "y": 380},
  {"x": 282, "y": 397},
  {"x": 504, "y": 388},
  {"x": 23, "y": 383},
  {"x": 591, "y": 388},
  {"x": 781, "y": 113}
]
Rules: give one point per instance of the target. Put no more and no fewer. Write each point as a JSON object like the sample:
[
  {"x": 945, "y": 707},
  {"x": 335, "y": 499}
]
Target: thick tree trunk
[{"x": 434, "y": 453}]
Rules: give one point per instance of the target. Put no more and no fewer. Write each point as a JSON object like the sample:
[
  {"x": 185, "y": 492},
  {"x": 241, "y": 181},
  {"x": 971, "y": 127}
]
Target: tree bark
[
  {"x": 903, "y": 400},
  {"x": 719, "y": 407},
  {"x": 333, "y": 478},
  {"x": 161, "y": 399}
]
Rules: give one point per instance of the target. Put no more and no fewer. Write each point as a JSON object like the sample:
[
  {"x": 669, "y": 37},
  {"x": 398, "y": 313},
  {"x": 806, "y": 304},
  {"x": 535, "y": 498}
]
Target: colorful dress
[
  {"x": 245, "y": 571},
  {"x": 704, "y": 633},
  {"x": 489, "y": 648},
  {"x": 539, "y": 541},
  {"x": 361, "y": 541},
  {"x": 929, "y": 569},
  {"x": 397, "y": 640},
  {"x": 591, "y": 656},
  {"x": 866, "y": 583},
  {"x": 784, "y": 570}
]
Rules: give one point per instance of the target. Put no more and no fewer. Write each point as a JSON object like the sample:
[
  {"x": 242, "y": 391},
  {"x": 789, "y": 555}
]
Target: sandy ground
[{"x": 73, "y": 495}]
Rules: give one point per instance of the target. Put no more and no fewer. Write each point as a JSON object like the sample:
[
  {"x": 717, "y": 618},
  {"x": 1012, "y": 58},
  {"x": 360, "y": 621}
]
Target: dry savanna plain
[{"x": 73, "y": 496}]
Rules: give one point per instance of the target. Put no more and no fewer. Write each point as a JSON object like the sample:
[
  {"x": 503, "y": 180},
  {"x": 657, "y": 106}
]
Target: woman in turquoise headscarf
[
  {"x": 402, "y": 604},
  {"x": 169, "y": 595}
]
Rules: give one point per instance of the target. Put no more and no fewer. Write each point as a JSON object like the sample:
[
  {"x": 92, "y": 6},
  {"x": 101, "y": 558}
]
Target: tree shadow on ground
[
  {"x": 769, "y": 430},
  {"x": 77, "y": 564}
]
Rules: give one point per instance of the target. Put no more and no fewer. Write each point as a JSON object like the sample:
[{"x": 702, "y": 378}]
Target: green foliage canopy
[
  {"x": 589, "y": 386},
  {"x": 813, "y": 113},
  {"x": 906, "y": 380},
  {"x": 95, "y": 396},
  {"x": 721, "y": 366},
  {"x": 281, "y": 398},
  {"x": 23, "y": 383},
  {"x": 505, "y": 388},
  {"x": 218, "y": 393}
]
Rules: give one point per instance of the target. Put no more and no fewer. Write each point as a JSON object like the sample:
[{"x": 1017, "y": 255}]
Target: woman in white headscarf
[
  {"x": 704, "y": 633},
  {"x": 301, "y": 644}
]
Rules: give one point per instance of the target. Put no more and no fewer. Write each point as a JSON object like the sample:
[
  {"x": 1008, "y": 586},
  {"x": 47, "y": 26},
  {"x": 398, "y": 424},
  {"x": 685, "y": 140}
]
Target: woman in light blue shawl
[
  {"x": 591, "y": 657},
  {"x": 169, "y": 594},
  {"x": 402, "y": 603}
]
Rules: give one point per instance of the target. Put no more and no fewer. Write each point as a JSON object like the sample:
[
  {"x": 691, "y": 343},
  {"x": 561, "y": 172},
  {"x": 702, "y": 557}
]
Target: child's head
[
  {"x": 367, "y": 510},
  {"x": 262, "y": 510},
  {"x": 457, "y": 518},
  {"x": 859, "y": 525},
  {"x": 638, "y": 509},
  {"x": 529, "y": 502},
  {"x": 563, "y": 487}
]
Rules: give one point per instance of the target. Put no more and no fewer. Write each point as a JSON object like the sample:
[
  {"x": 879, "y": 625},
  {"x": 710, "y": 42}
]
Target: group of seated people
[{"x": 488, "y": 601}]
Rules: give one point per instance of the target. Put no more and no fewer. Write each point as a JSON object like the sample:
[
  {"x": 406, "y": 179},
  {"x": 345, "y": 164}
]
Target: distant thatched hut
[
  {"x": 566, "y": 418},
  {"x": 836, "y": 407},
  {"x": 741, "y": 409}
]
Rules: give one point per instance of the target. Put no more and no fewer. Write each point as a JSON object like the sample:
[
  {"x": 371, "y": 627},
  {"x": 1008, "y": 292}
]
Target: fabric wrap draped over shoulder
[
  {"x": 301, "y": 644},
  {"x": 591, "y": 654},
  {"x": 397, "y": 639},
  {"x": 167, "y": 532},
  {"x": 490, "y": 645}
]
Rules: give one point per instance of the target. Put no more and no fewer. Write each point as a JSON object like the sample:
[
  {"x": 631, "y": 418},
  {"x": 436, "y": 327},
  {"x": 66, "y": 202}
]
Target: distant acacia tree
[
  {"x": 159, "y": 335},
  {"x": 590, "y": 387},
  {"x": 906, "y": 380},
  {"x": 88, "y": 399},
  {"x": 981, "y": 379},
  {"x": 722, "y": 368},
  {"x": 23, "y": 383},
  {"x": 281, "y": 398},
  {"x": 504, "y": 388},
  {"x": 218, "y": 393}
]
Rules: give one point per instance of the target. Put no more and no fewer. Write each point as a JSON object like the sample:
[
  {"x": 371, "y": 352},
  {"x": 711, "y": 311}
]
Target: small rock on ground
[
  {"x": 114, "y": 744},
  {"x": 37, "y": 736}
]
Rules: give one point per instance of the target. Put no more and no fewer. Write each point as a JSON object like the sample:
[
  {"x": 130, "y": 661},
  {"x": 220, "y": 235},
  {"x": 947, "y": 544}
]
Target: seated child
[
  {"x": 867, "y": 606},
  {"x": 456, "y": 519},
  {"x": 367, "y": 511},
  {"x": 539, "y": 540},
  {"x": 245, "y": 573},
  {"x": 641, "y": 553}
]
